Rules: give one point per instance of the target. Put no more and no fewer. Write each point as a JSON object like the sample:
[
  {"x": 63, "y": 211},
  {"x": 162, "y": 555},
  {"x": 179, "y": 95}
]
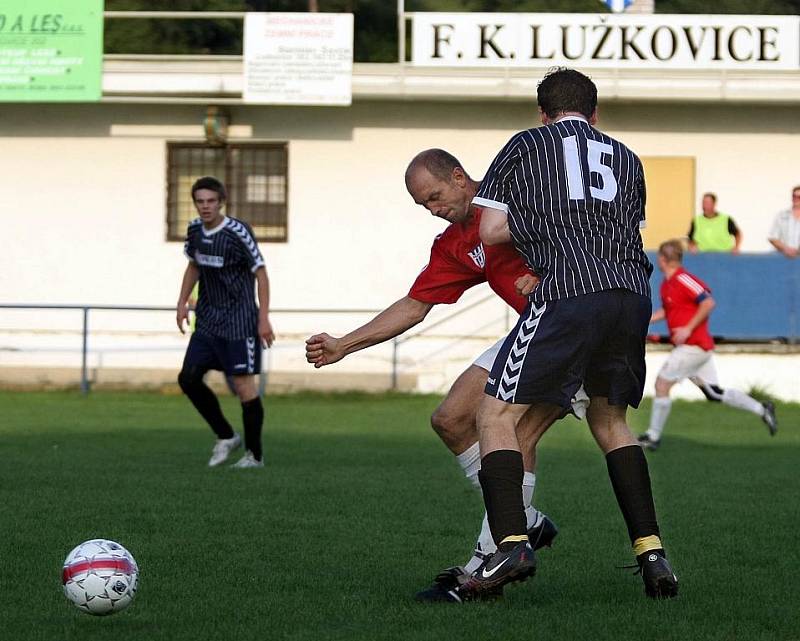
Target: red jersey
[
  {"x": 681, "y": 294},
  {"x": 460, "y": 261}
]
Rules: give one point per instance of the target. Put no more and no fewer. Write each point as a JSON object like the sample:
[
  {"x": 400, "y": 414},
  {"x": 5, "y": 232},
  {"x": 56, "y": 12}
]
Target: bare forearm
[
  {"x": 658, "y": 315},
  {"x": 783, "y": 248},
  {"x": 262, "y": 288},
  {"x": 391, "y": 322},
  {"x": 190, "y": 277},
  {"x": 702, "y": 313}
]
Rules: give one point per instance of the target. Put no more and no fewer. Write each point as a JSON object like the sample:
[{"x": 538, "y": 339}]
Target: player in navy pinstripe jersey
[
  {"x": 231, "y": 328},
  {"x": 572, "y": 200}
]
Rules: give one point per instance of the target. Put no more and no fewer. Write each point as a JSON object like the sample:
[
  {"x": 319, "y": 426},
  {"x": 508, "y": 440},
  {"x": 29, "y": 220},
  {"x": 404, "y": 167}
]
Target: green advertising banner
[{"x": 51, "y": 50}]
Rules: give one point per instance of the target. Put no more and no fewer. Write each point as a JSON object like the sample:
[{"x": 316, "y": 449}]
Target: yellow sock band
[
  {"x": 516, "y": 538},
  {"x": 645, "y": 544}
]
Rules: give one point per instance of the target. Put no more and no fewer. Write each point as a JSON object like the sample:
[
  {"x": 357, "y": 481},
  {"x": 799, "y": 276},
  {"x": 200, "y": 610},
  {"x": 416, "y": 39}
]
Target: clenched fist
[{"x": 323, "y": 349}]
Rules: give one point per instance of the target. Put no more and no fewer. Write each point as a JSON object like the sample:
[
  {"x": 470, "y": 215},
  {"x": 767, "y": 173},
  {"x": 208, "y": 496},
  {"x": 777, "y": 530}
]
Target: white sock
[
  {"x": 485, "y": 545},
  {"x": 532, "y": 515},
  {"x": 742, "y": 401},
  {"x": 470, "y": 462},
  {"x": 658, "y": 416}
]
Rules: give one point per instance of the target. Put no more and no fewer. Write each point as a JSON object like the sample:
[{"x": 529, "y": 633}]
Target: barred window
[{"x": 254, "y": 174}]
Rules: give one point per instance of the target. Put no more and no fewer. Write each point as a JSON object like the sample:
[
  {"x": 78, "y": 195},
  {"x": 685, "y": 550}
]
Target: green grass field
[{"x": 360, "y": 506}]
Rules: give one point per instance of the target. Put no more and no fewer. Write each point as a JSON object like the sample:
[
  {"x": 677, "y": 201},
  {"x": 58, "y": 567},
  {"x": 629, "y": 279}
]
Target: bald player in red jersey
[
  {"x": 686, "y": 305},
  {"x": 437, "y": 181}
]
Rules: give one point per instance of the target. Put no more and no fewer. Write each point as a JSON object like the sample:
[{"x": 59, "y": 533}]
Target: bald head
[
  {"x": 437, "y": 162},
  {"x": 437, "y": 181}
]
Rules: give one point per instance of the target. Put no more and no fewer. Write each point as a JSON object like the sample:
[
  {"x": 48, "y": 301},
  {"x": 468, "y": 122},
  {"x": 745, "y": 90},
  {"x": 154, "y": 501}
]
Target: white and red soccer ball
[{"x": 100, "y": 577}]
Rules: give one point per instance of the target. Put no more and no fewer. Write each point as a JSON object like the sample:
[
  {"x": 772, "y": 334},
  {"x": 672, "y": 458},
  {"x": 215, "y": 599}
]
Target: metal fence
[{"x": 86, "y": 310}]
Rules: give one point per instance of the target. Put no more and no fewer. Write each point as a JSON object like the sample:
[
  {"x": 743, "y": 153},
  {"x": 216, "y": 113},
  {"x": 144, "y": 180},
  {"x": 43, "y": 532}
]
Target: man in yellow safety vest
[{"x": 712, "y": 231}]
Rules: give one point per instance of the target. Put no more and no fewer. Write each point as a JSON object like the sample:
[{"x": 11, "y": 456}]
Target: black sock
[
  {"x": 206, "y": 403},
  {"x": 627, "y": 469},
  {"x": 253, "y": 419},
  {"x": 501, "y": 481}
]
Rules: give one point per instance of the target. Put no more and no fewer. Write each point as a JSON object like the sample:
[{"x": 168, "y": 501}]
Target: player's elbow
[
  {"x": 421, "y": 314},
  {"x": 416, "y": 311}
]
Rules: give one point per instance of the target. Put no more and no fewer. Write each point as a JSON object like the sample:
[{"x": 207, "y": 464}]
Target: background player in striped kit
[
  {"x": 572, "y": 200},
  {"x": 231, "y": 328},
  {"x": 437, "y": 181},
  {"x": 687, "y": 305}
]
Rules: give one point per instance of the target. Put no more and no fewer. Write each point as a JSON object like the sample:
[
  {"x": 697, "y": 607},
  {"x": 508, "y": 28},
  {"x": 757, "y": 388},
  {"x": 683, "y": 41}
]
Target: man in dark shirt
[
  {"x": 572, "y": 200},
  {"x": 231, "y": 328}
]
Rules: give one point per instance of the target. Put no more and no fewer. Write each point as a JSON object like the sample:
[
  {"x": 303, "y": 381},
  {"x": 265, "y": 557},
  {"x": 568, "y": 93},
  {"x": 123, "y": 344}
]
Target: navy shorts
[
  {"x": 234, "y": 357},
  {"x": 596, "y": 339}
]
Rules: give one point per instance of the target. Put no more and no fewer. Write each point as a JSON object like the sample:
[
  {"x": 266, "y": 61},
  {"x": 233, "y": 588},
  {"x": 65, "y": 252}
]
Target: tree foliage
[
  {"x": 375, "y": 20},
  {"x": 375, "y": 26}
]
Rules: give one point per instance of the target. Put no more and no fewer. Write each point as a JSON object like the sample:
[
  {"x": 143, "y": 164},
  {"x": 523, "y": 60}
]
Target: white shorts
[
  {"x": 486, "y": 360},
  {"x": 580, "y": 401},
  {"x": 689, "y": 361}
]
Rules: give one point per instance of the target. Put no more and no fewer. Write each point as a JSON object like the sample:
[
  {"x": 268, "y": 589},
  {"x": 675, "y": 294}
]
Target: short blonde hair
[{"x": 672, "y": 250}]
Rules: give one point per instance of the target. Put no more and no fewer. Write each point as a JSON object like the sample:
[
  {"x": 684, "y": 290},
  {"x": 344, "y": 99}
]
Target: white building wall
[
  {"x": 85, "y": 209},
  {"x": 743, "y": 154},
  {"x": 83, "y": 197}
]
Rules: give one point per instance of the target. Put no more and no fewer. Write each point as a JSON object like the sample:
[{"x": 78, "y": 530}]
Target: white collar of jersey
[
  {"x": 565, "y": 118},
  {"x": 211, "y": 232}
]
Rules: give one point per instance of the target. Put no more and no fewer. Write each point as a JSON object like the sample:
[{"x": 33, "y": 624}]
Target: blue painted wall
[{"x": 757, "y": 295}]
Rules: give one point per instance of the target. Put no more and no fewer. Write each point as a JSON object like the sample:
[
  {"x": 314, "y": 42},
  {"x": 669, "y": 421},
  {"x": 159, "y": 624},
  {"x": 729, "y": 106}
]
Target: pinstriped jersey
[
  {"x": 227, "y": 257},
  {"x": 575, "y": 202}
]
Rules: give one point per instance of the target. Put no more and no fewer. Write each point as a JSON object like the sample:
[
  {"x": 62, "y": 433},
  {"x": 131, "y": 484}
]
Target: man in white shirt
[{"x": 785, "y": 232}]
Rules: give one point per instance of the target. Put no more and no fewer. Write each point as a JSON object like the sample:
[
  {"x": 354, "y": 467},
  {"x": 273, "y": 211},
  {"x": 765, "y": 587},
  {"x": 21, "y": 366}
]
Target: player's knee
[
  {"x": 245, "y": 388},
  {"x": 189, "y": 379},
  {"x": 486, "y": 418},
  {"x": 712, "y": 393},
  {"x": 450, "y": 426},
  {"x": 440, "y": 421},
  {"x": 663, "y": 386}
]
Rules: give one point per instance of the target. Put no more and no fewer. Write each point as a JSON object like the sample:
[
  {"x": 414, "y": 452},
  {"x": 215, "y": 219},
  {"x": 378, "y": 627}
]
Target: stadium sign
[
  {"x": 51, "y": 50},
  {"x": 298, "y": 58},
  {"x": 603, "y": 40}
]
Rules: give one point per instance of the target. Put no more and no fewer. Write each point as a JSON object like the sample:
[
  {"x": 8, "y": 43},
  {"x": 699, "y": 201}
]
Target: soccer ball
[{"x": 100, "y": 577}]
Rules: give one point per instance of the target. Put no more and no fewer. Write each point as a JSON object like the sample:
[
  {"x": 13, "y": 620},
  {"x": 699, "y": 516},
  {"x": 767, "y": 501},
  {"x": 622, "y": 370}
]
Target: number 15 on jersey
[{"x": 595, "y": 153}]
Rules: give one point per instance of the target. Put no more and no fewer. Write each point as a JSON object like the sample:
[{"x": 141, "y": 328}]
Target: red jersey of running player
[
  {"x": 680, "y": 295},
  {"x": 460, "y": 261}
]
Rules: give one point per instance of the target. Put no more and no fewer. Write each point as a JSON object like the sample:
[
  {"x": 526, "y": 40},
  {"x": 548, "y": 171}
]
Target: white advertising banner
[
  {"x": 298, "y": 58},
  {"x": 584, "y": 40}
]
